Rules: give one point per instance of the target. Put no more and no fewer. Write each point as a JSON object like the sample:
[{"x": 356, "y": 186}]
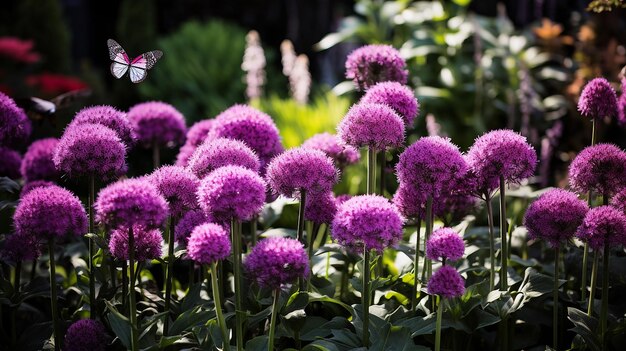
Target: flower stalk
[
  {"x": 218, "y": 306},
  {"x": 131, "y": 290},
  {"x": 53, "y": 296},
  {"x": 270, "y": 340},
  {"x": 235, "y": 227}
]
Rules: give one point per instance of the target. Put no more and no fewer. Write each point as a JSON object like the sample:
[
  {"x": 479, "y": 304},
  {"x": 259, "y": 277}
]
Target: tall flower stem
[
  {"x": 218, "y": 306},
  {"x": 604, "y": 309},
  {"x": 124, "y": 282},
  {"x": 17, "y": 278},
  {"x": 440, "y": 307},
  {"x": 492, "y": 244},
  {"x": 504, "y": 286},
  {"x": 156, "y": 155},
  {"x": 555, "y": 297},
  {"x": 429, "y": 231},
  {"x": 300, "y": 230},
  {"x": 270, "y": 340},
  {"x": 53, "y": 297},
  {"x": 594, "y": 278},
  {"x": 415, "y": 265},
  {"x": 583, "y": 282},
  {"x": 383, "y": 166},
  {"x": 170, "y": 273},
  {"x": 131, "y": 296},
  {"x": 235, "y": 227},
  {"x": 92, "y": 275},
  {"x": 366, "y": 297},
  {"x": 253, "y": 230},
  {"x": 371, "y": 170}
]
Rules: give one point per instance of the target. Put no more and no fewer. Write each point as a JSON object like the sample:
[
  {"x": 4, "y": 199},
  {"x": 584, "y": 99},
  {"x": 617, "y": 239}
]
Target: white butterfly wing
[
  {"x": 137, "y": 74},
  {"x": 141, "y": 64},
  {"x": 118, "y": 69}
]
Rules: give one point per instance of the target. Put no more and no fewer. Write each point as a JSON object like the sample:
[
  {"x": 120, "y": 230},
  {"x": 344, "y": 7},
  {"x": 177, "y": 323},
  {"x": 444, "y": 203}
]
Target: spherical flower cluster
[
  {"x": 446, "y": 282},
  {"x": 397, "y": 96},
  {"x": 410, "y": 202},
  {"x": 10, "y": 161},
  {"x": 367, "y": 220},
  {"x": 131, "y": 202},
  {"x": 85, "y": 335},
  {"x": 371, "y": 64},
  {"x": 301, "y": 169},
  {"x": 603, "y": 225},
  {"x": 374, "y": 125},
  {"x": 148, "y": 243},
  {"x": 15, "y": 127},
  {"x": 555, "y": 216},
  {"x": 599, "y": 168},
  {"x": 342, "y": 154},
  {"x": 20, "y": 247},
  {"x": 320, "y": 208},
  {"x": 621, "y": 105},
  {"x": 157, "y": 123},
  {"x": 598, "y": 99},
  {"x": 90, "y": 149},
  {"x": 50, "y": 212},
  {"x": 37, "y": 163},
  {"x": 619, "y": 200},
  {"x": 208, "y": 243},
  {"x": 276, "y": 261},
  {"x": 28, "y": 187},
  {"x": 188, "y": 222},
  {"x": 221, "y": 152},
  {"x": 500, "y": 153},
  {"x": 178, "y": 186},
  {"x": 232, "y": 192},
  {"x": 195, "y": 137},
  {"x": 107, "y": 116},
  {"x": 445, "y": 244},
  {"x": 340, "y": 199}
]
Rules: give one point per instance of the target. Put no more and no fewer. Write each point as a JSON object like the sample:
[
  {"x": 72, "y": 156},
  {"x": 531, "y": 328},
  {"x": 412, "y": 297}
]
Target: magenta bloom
[
  {"x": 446, "y": 282},
  {"x": 276, "y": 261},
  {"x": 500, "y": 153},
  {"x": 148, "y": 243},
  {"x": 603, "y": 225},
  {"x": 371, "y": 64},
  {"x": 188, "y": 222},
  {"x": 86, "y": 335},
  {"x": 90, "y": 149},
  {"x": 445, "y": 244},
  {"x": 395, "y": 95},
  {"x": 621, "y": 105},
  {"x": 619, "y": 200},
  {"x": 178, "y": 186},
  {"x": 221, "y": 152},
  {"x": 10, "y": 161},
  {"x": 320, "y": 208},
  {"x": 50, "y": 212},
  {"x": 28, "y": 187},
  {"x": 20, "y": 247},
  {"x": 340, "y": 199},
  {"x": 15, "y": 127},
  {"x": 195, "y": 137},
  {"x": 367, "y": 220},
  {"x": 37, "y": 163},
  {"x": 301, "y": 169},
  {"x": 342, "y": 154},
  {"x": 131, "y": 202},
  {"x": 107, "y": 116},
  {"x": 598, "y": 99},
  {"x": 232, "y": 192},
  {"x": 208, "y": 243},
  {"x": 372, "y": 125},
  {"x": 599, "y": 168},
  {"x": 157, "y": 122}
]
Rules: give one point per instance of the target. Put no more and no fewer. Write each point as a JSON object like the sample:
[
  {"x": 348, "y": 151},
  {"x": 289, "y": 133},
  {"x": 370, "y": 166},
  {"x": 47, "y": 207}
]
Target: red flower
[
  {"x": 51, "y": 84},
  {"x": 18, "y": 50}
]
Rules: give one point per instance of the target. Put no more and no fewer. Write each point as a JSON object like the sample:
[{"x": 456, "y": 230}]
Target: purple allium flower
[
  {"x": 555, "y": 216},
  {"x": 621, "y": 109},
  {"x": 276, "y": 261},
  {"x": 410, "y": 202},
  {"x": 29, "y": 186},
  {"x": 208, "y": 243},
  {"x": 188, "y": 221},
  {"x": 251, "y": 126},
  {"x": 232, "y": 192},
  {"x": 598, "y": 99},
  {"x": 446, "y": 282},
  {"x": 445, "y": 244},
  {"x": 50, "y": 212},
  {"x": 603, "y": 225},
  {"x": 334, "y": 148},
  {"x": 320, "y": 208},
  {"x": 157, "y": 122},
  {"x": 369, "y": 220},
  {"x": 500, "y": 153},
  {"x": 148, "y": 243},
  {"x": 131, "y": 202},
  {"x": 20, "y": 247},
  {"x": 178, "y": 186},
  {"x": 301, "y": 169},
  {"x": 340, "y": 199},
  {"x": 599, "y": 168},
  {"x": 90, "y": 149},
  {"x": 373, "y": 125},
  {"x": 195, "y": 137},
  {"x": 619, "y": 200},
  {"x": 397, "y": 96},
  {"x": 86, "y": 335},
  {"x": 221, "y": 152},
  {"x": 37, "y": 163},
  {"x": 15, "y": 127},
  {"x": 10, "y": 161},
  {"x": 371, "y": 64},
  {"x": 107, "y": 116}
]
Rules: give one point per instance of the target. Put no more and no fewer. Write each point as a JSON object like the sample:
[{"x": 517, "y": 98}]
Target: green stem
[
  {"x": 492, "y": 244},
  {"x": 300, "y": 230},
  {"x": 254, "y": 224},
  {"x": 92, "y": 276},
  {"x": 383, "y": 166},
  {"x": 235, "y": 227},
  {"x": 218, "y": 306},
  {"x": 594, "y": 276},
  {"x": 555, "y": 308},
  {"x": 504, "y": 286},
  {"x": 416, "y": 266},
  {"x": 18, "y": 276},
  {"x": 33, "y": 270},
  {"x": 371, "y": 170},
  {"x": 438, "y": 325},
  {"x": 604, "y": 309},
  {"x": 53, "y": 297},
  {"x": 366, "y": 297},
  {"x": 593, "y": 131},
  {"x": 124, "y": 282},
  {"x": 156, "y": 155},
  {"x": 270, "y": 340},
  {"x": 131, "y": 296},
  {"x": 429, "y": 231},
  {"x": 170, "y": 273}
]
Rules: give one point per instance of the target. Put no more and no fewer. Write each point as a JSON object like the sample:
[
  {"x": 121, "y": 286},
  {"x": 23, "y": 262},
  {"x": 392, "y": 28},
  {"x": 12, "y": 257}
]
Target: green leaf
[
  {"x": 536, "y": 284},
  {"x": 420, "y": 325},
  {"x": 120, "y": 324},
  {"x": 584, "y": 326},
  {"x": 189, "y": 319},
  {"x": 257, "y": 344}
]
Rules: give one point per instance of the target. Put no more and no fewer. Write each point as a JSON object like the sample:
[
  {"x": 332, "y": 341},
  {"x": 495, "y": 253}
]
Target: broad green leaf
[{"x": 120, "y": 324}]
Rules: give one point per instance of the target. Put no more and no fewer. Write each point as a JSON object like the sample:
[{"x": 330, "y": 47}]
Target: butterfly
[
  {"x": 138, "y": 67},
  {"x": 39, "y": 109}
]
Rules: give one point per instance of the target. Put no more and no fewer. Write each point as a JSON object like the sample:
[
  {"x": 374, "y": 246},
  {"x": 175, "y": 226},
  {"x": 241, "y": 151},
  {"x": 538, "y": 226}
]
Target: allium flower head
[
  {"x": 603, "y": 225},
  {"x": 37, "y": 163},
  {"x": 90, "y": 149},
  {"x": 276, "y": 261},
  {"x": 148, "y": 243},
  {"x": 555, "y": 216},
  {"x": 232, "y": 192},
  {"x": 188, "y": 222},
  {"x": 367, "y": 220},
  {"x": 598, "y": 99},
  {"x": 34, "y": 185},
  {"x": 50, "y": 212},
  {"x": 446, "y": 282},
  {"x": 178, "y": 186},
  {"x": 157, "y": 122},
  {"x": 500, "y": 153},
  {"x": 341, "y": 153},
  {"x": 371, "y": 64},
  {"x": 340, "y": 199},
  {"x": 599, "y": 168},
  {"x": 221, "y": 152},
  {"x": 107, "y": 116},
  {"x": 208, "y": 243},
  {"x": 320, "y": 208},
  {"x": 397, "y": 96},
  {"x": 15, "y": 127},
  {"x": 10, "y": 161},
  {"x": 373, "y": 125},
  {"x": 301, "y": 169},
  {"x": 445, "y": 244},
  {"x": 131, "y": 202},
  {"x": 195, "y": 137},
  {"x": 621, "y": 109},
  {"x": 20, "y": 247},
  {"x": 619, "y": 200},
  {"x": 86, "y": 335}
]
